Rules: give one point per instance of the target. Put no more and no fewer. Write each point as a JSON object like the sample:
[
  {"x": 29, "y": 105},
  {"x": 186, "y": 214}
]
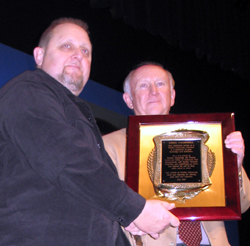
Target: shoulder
[
  {"x": 116, "y": 138},
  {"x": 116, "y": 134},
  {"x": 29, "y": 81}
]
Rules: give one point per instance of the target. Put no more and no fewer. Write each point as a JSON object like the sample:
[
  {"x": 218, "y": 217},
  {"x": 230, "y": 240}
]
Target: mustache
[{"x": 74, "y": 64}]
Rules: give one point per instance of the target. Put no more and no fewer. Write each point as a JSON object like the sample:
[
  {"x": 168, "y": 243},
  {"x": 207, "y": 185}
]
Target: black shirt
[{"x": 58, "y": 185}]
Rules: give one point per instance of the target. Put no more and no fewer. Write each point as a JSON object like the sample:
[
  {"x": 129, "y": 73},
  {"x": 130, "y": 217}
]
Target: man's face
[
  {"x": 67, "y": 57},
  {"x": 151, "y": 91}
]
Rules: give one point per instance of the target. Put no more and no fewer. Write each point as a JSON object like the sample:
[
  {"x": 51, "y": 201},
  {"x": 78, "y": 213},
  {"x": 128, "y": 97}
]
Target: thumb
[
  {"x": 168, "y": 206},
  {"x": 174, "y": 221}
]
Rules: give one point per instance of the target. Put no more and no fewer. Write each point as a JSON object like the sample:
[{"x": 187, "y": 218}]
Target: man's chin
[
  {"x": 73, "y": 78},
  {"x": 71, "y": 81},
  {"x": 156, "y": 112}
]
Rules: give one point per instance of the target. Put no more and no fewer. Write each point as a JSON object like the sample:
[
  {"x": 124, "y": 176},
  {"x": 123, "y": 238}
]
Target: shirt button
[
  {"x": 99, "y": 146},
  {"x": 89, "y": 118}
]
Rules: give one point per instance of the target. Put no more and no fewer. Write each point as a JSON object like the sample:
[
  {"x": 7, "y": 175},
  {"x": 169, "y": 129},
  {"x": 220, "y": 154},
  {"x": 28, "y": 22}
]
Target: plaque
[
  {"x": 180, "y": 165},
  {"x": 183, "y": 159}
]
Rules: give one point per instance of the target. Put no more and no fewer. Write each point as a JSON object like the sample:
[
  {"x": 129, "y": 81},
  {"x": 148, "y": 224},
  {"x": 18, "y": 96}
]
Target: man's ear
[
  {"x": 172, "y": 97},
  {"x": 38, "y": 56},
  {"x": 127, "y": 99}
]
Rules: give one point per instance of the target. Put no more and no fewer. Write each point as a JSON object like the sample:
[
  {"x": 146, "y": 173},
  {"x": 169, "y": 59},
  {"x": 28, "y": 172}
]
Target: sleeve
[
  {"x": 66, "y": 156},
  {"x": 115, "y": 145},
  {"x": 109, "y": 146},
  {"x": 245, "y": 192}
]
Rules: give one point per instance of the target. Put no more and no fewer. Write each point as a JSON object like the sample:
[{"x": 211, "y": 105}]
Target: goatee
[{"x": 72, "y": 81}]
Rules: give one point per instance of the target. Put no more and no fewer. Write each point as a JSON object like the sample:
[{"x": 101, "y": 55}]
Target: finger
[
  {"x": 160, "y": 232},
  {"x": 174, "y": 222},
  {"x": 236, "y": 147},
  {"x": 154, "y": 235},
  {"x": 234, "y": 135},
  {"x": 171, "y": 206},
  {"x": 141, "y": 233},
  {"x": 238, "y": 151},
  {"x": 236, "y": 141},
  {"x": 168, "y": 206}
]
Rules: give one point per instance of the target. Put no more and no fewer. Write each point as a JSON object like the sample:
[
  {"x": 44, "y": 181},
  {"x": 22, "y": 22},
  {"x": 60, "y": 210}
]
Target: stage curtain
[{"x": 217, "y": 29}]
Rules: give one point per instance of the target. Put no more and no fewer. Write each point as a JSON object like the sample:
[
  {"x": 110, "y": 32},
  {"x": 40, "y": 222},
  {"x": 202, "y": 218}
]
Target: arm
[
  {"x": 59, "y": 145},
  {"x": 245, "y": 192},
  {"x": 235, "y": 142},
  {"x": 154, "y": 219},
  {"x": 115, "y": 145},
  {"x": 154, "y": 211}
]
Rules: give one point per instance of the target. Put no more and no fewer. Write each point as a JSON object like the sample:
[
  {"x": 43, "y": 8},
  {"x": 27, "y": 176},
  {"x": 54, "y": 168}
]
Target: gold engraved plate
[{"x": 180, "y": 165}]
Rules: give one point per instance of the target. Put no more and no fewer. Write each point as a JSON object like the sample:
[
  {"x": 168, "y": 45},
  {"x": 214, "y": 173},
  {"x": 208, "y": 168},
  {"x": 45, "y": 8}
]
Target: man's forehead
[
  {"x": 70, "y": 30},
  {"x": 147, "y": 71},
  {"x": 69, "y": 25}
]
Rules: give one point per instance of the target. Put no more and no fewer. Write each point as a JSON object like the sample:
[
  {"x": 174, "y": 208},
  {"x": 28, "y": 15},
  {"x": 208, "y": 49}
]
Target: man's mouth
[
  {"x": 154, "y": 101},
  {"x": 74, "y": 66}
]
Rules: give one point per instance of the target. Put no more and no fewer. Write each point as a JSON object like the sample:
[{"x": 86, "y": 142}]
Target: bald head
[{"x": 149, "y": 90}]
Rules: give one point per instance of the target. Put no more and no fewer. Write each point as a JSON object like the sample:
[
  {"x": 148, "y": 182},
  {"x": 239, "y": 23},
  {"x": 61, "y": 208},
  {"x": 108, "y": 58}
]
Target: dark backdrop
[{"x": 205, "y": 44}]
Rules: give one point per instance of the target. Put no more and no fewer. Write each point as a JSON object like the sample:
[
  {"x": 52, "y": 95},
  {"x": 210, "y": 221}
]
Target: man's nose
[
  {"x": 153, "y": 89},
  {"x": 78, "y": 54}
]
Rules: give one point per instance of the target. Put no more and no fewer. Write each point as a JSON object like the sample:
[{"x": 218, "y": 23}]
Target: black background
[{"x": 117, "y": 47}]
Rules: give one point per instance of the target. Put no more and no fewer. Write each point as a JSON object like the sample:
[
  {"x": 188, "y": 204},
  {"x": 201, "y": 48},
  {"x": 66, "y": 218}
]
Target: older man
[
  {"x": 149, "y": 90},
  {"x": 58, "y": 186}
]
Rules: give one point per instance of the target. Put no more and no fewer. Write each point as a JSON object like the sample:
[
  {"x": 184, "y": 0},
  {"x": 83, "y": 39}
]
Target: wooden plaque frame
[{"x": 231, "y": 210}]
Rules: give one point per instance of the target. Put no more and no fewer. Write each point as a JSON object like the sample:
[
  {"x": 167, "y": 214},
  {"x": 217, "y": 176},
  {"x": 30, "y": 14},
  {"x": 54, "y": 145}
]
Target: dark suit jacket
[{"x": 58, "y": 186}]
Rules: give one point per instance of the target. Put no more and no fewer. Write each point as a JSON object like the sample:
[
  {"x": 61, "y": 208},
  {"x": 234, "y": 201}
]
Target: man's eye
[
  {"x": 143, "y": 85},
  {"x": 67, "y": 46},
  {"x": 85, "y": 51},
  {"x": 160, "y": 83}
]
